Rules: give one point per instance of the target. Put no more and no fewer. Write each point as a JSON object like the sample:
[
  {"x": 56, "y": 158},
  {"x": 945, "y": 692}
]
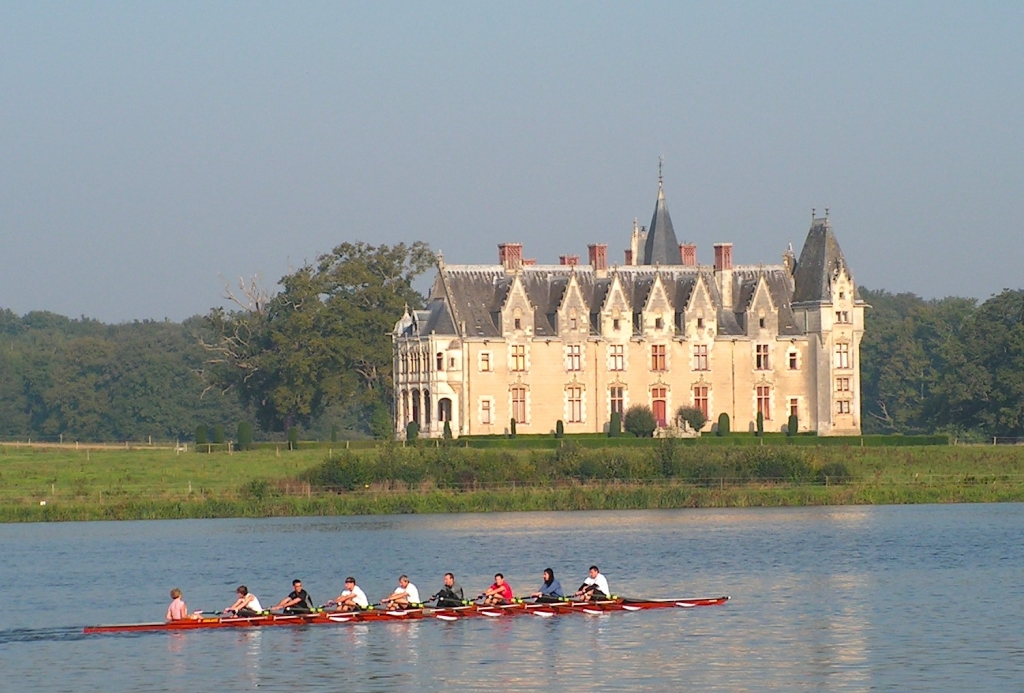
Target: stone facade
[{"x": 572, "y": 342}]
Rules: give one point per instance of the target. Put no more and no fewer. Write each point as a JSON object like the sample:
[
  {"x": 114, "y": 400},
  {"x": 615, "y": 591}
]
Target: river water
[{"x": 902, "y": 598}]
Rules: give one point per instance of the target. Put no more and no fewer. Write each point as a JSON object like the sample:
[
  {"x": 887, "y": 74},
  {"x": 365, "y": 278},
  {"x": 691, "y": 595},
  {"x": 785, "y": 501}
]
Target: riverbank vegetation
[{"x": 391, "y": 478}]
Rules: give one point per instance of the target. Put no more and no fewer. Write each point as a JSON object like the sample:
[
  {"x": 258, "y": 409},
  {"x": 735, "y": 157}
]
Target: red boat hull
[{"x": 452, "y": 614}]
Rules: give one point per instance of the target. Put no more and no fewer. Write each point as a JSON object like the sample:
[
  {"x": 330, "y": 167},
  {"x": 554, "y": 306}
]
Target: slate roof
[
  {"x": 820, "y": 260},
  {"x": 661, "y": 246}
]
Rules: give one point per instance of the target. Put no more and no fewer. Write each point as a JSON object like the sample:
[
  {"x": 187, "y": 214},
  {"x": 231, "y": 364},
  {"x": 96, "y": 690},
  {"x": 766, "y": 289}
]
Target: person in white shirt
[
  {"x": 595, "y": 586},
  {"x": 353, "y": 598},
  {"x": 247, "y": 605},
  {"x": 405, "y": 595}
]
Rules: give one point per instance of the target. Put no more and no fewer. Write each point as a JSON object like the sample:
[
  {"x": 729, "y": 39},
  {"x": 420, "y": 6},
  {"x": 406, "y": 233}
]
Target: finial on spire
[
  {"x": 813, "y": 210},
  {"x": 826, "y": 212},
  {"x": 661, "y": 162}
]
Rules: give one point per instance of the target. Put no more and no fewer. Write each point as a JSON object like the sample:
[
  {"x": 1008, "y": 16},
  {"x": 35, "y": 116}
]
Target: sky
[{"x": 151, "y": 153}]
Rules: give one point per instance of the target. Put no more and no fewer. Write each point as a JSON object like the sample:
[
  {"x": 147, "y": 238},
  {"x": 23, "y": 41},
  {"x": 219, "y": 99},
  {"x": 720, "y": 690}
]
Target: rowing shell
[{"x": 542, "y": 610}]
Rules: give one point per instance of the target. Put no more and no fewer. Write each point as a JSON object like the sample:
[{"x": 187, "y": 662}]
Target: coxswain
[
  {"x": 595, "y": 586},
  {"x": 405, "y": 595},
  {"x": 353, "y": 598},
  {"x": 177, "y": 610},
  {"x": 449, "y": 595},
  {"x": 298, "y": 600},
  {"x": 550, "y": 590},
  {"x": 498, "y": 593},
  {"x": 247, "y": 605}
]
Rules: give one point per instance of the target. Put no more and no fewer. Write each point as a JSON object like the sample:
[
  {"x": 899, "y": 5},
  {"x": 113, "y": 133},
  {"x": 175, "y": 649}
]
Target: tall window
[
  {"x": 572, "y": 357},
  {"x": 792, "y": 361},
  {"x": 485, "y": 411},
  {"x": 843, "y": 316},
  {"x": 519, "y": 404},
  {"x": 843, "y": 406},
  {"x": 426, "y": 408},
  {"x": 616, "y": 360},
  {"x": 794, "y": 406},
  {"x": 440, "y": 361},
  {"x": 700, "y": 399},
  {"x": 518, "y": 323},
  {"x": 575, "y": 404},
  {"x": 761, "y": 357},
  {"x": 615, "y": 324},
  {"x": 842, "y": 355},
  {"x": 658, "y": 357},
  {"x": 485, "y": 360},
  {"x": 519, "y": 357},
  {"x": 659, "y": 403},
  {"x": 842, "y": 384},
  {"x": 700, "y": 357},
  {"x": 616, "y": 395},
  {"x": 764, "y": 401}
]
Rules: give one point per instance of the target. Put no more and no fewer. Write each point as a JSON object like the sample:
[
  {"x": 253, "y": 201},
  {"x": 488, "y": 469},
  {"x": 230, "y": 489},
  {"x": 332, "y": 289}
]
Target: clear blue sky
[{"x": 149, "y": 151}]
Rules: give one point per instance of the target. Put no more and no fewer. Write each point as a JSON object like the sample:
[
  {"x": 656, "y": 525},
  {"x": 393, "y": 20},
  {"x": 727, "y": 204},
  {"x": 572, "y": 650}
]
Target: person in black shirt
[
  {"x": 298, "y": 602},
  {"x": 449, "y": 595}
]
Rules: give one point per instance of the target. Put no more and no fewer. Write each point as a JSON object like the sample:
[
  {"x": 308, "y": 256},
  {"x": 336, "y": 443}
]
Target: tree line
[{"x": 315, "y": 355}]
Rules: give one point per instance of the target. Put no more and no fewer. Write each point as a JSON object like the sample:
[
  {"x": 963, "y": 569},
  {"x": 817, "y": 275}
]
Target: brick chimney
[
  {"x": 510, "y": 255},
  {"x": 568, "y": 259},
  {"x": 529, "y": 262},
  {"x": 688, "y": 254},
  {"x": 598, "y": 256},
  {"x": 629, "y": 257},
  {"x": 723, "y": 256}
]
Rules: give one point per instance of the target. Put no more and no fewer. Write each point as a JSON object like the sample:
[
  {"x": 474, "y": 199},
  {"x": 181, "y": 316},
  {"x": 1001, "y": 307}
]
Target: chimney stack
[
  {"x": 598, "y": 256},
  {"x": 568, "y": 259},
  {"x": 688, "y": 254},
  {"x": 723, "y": 256},
  {"x": 629, "y": 257},
  {"x": 510, "y": 255}
]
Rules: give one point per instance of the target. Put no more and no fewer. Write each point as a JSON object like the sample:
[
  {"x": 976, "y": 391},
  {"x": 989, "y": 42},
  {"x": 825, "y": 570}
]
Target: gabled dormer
[
  {"x": 700, "y": 311},
  {"x": 658, "y": 316},
  {"x": 761, "y": 315},
  {"x": 616, "y": 314},
  {"x": 573, "y": 312},
  {"x": 517, "y": 312}
]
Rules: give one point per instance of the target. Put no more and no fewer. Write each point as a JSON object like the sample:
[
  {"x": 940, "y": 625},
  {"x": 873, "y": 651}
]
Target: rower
[
  {"x": 405, "y": 595},
  {"x": 353, "y": 598},
  {"x": 550, "y": 590},
  {"x": 298, "y": 600},
  {"x": 498, "y": 593},
  {"x": 594, "y": 587},
  {"x": 449, "y": 595},
  {"x": 177, "y": 610},
  {"x": 247, "y": 605}
]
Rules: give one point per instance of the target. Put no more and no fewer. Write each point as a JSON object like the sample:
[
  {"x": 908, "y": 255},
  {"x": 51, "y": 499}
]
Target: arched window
[
  {"x": 444, "y": 410},
  {"x": 415, "y": 406},
  {"x": 426, "y": 407},
  {"x": 440, "y": 361}
]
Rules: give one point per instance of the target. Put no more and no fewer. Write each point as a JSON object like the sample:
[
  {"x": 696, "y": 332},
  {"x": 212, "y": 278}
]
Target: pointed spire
[{"x": 661, "y": 246}]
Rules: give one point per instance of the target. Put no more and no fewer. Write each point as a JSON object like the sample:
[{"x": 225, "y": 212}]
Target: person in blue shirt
[{"x": 551, "y": 590}]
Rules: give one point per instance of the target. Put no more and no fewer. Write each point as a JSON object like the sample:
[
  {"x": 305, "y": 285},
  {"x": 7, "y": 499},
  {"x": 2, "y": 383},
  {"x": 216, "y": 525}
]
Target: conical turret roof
[{"x": 661, "y": 247}]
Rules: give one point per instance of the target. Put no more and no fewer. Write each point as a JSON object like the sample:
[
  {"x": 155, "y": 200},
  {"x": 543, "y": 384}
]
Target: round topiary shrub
[
  {"x": 640, "y": 421},
  {"x": 693, "y": 417},
  {"x": 723, "y": 425}
]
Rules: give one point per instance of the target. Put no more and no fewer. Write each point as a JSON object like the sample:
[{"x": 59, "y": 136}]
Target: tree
[
  {"x": 244, "y": 435},
  {"x": 760, "y": 424},
  {"x": 693, "y": 417},
  {"x": 615, "y": 425},
  {"x": 323, "y": 338},
  {"x": 559, "y": 429},
  {"x": 640, "y": 421},
  {"x": 447, "y": 432},
  {"x": 293, "y": 438},
  {"x": 412, "y": 431},
  {"x": 793, "y": 426},
  {"x": 201, "y": 435}
]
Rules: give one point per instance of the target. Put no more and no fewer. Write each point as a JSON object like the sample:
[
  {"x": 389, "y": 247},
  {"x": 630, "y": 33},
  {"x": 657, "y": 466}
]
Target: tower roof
[
  {"x": 821, "y": 259},
  {"x": 661, "y": 247}
]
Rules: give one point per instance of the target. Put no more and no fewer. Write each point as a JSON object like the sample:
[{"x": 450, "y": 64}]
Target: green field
[{"x": 150, "y": 484}]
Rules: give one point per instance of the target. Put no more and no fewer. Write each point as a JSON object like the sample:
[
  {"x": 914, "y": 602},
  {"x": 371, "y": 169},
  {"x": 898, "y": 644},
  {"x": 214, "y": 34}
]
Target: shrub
[
  {"x": 773, "y": 463},
  {"x": 381, "y": 426},
  {"x": 615, "y": 425},
  {"x": 559, "y": 429},
  {"x": 833, "y": 473},
  {"x": 334, "y": 433},
  {"x": 447, "y": 430},
  {"x": 693, "y": 416},
  {"x": 201, "y": 435},
  {"x": 512, "y": 428},
  {"x": 218, "y": 434},
  {"x": 244, "y": 435},
  {"x": 293, "y": 438},
  {"x": 723, "y": 425},
  {"x": 760, "y": 424},
  {"x": 792, "y": 427},
  {"x": 640, "y": 421},
  {"x": 412, "y": 431}
]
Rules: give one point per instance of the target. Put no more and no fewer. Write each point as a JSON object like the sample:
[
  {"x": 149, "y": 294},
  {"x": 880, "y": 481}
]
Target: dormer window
[
  {"x": 615, "y": 324},
  {"x": 842, "y": 294},
  {"x": 700, "y": 323},
  {"x": 760, "y": 322},
  {"x": 519, "y": 323},
  {"x": 572, "y": 324},
  {"x": 658, "y": 323}
]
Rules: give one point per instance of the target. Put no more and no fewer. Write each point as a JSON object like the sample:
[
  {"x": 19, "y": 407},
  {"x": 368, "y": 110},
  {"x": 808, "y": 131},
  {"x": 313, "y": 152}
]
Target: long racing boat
[{"x": 371, "y": 614}]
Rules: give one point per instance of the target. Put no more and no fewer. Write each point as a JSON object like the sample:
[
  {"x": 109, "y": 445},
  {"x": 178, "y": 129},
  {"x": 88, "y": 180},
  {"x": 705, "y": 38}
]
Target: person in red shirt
[{"x": 499, "y": 593}]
